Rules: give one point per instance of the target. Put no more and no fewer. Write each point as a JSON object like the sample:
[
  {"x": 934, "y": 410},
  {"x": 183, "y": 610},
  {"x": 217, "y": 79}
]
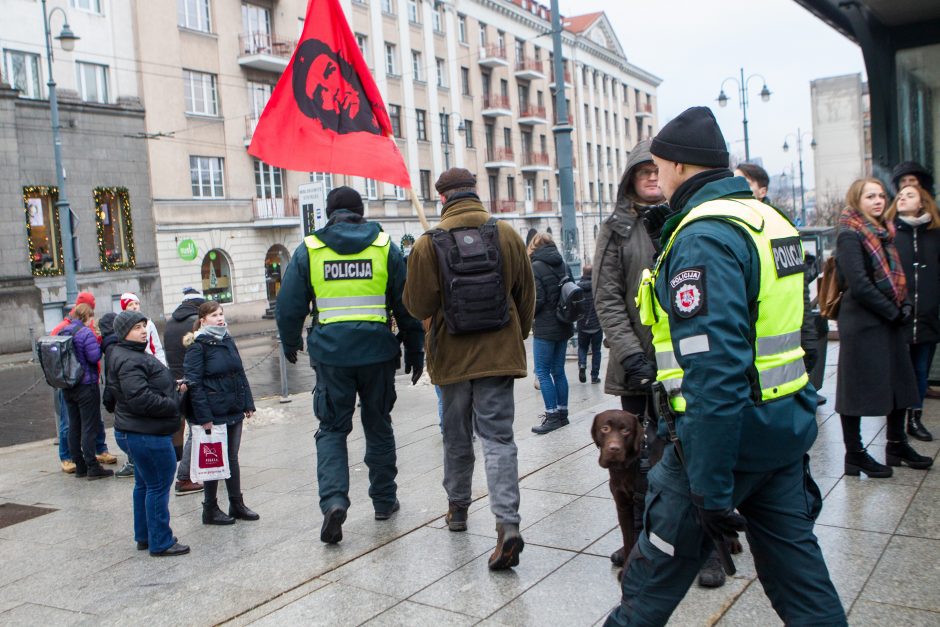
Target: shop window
[
  {"x": 114, "y": 228},
  {"x": 42, "y": 230},
  {"x": 216, "y": 277}
]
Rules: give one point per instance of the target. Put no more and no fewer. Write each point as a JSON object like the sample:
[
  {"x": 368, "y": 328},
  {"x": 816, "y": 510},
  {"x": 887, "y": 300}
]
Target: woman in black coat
[
  {"x": 875, "y": 376},
  {"x": 146, "y": 414},
  {"x": 550, "y": 334},
  {"x": 220, "y": 394},
  {"x": 917, "y": 220}
]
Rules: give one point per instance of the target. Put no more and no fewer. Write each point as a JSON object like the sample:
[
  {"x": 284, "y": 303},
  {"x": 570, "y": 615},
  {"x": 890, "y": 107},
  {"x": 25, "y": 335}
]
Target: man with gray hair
[{"x": 470, "y": 279}]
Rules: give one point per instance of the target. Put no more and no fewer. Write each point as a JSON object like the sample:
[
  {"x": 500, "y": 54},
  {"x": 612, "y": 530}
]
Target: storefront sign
[{"x": 187, "y": 250}]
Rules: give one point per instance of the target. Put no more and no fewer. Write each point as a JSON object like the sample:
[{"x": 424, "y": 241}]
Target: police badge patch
[{"x": 687, "y": 292}]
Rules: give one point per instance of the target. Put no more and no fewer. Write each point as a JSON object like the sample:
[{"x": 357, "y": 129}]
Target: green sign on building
[{"x": 187, "y": 250}]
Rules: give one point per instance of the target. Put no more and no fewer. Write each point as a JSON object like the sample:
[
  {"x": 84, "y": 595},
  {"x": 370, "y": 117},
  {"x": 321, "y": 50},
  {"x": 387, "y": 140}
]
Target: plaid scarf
[{"x": 879, "y": 244}]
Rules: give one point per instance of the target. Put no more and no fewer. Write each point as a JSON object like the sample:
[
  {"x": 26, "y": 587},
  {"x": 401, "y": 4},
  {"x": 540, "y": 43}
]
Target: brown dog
[{"x": 619, "y": 436}]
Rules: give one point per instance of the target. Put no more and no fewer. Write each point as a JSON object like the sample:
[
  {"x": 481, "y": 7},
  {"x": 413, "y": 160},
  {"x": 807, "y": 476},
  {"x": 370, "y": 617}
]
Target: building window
[
  {"x": 42, "y": 230},
  {"x": 391, "y": 67},
  {"x": 200, "y": 93},
  {"x": 417, "y": 68},
  {"x": 507, "y": 138},
  {"x": 425, "y": 184},
  {"x": 414, "y": 13},
  {"x": 445, "y": 128},
  {"x": 482, "y": 35},
  {"x": 399, "y": 193},
  {"x": 388, "y": 7},
  {"x": 437, "y": 20},
  {"x": 510, "y": 188},
  {"x": 462, "y": 28},
  {"x": 87, "y": 5},
  {"x": 394, "y": 115},
  {"x": 193, "y": 14},
  {"x": 465, "y": 81},
  {"x": 21, "y": 69},
  {"x": 468, "y": 132},
  {"x": 114, "y": 227},
  {"x": 92, "y": 82},
  {"x": 587, "y": 116},
  {"x": 545, "y": 191},
  {"x": 520, "y": 51},
  {"x": 205, "y": 174},
  {"x": 363, "y": 42},
  {"x": 256, "y": 25},
  {"x": 268, "y": 181},
  {"x": 216, "y": 277},
  {"x": 422, "y": 120},
  {"x": 323, "y": 177},
  {"x": 372, "y": 189},
  {"x": 441, "y": 72}
]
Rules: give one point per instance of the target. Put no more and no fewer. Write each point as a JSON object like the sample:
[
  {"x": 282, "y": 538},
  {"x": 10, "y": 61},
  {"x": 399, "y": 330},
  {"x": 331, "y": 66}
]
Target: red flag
[{"x": 326, "y": 113}]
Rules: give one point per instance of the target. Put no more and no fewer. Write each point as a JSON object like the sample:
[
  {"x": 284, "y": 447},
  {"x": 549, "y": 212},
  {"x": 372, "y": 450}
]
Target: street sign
[{"x": 312, "y": 198}]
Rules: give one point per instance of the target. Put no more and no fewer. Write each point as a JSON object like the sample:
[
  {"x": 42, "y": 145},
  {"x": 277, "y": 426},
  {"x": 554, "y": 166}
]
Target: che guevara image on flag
[{"x": 326, "y": 113}]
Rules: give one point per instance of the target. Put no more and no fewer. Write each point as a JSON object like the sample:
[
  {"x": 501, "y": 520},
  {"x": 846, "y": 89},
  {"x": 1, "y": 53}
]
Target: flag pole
[{"x": 417, "y": 205}]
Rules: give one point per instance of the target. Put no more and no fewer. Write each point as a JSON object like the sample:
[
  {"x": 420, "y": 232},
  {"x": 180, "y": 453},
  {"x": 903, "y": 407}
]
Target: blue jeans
[
  {"x": 592, "y": 341},
  {"x": 154, "y": 470},
  {"x": 549, "y": 358},
  {"x": 921, "y": 356},
  {"x": 100, "y": 444}
]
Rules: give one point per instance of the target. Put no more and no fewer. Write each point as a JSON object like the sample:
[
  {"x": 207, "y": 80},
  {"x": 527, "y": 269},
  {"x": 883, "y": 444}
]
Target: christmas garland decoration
[
  {"x": 41, "y": 191},
  {"x": 121, "y": 195},
  {"x": 407, "y": 237}
]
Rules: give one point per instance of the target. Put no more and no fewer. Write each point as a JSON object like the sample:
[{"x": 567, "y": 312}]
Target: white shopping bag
[{"x": 209, "y": 460}]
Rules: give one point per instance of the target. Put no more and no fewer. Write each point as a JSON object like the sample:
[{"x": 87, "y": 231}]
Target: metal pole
[
  {"x": 62, "y": 205},
  {"x": 562, "y": 131},
  {"x": 282, "y": 366},
  {"x": 793, "y": 190},
  {"x": 444, "y": 138},
  {"x": 747, "y": 145},
  {"x": 799, "y": 152}
]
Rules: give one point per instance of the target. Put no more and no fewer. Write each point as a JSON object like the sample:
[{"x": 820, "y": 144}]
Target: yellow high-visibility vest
[{"x": 349, "y": 287}]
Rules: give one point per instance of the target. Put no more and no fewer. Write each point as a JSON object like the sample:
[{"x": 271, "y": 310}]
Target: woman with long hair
[
  {"x": 220, "y": 394},
  {"x": 917, "y": 220},
  {"x": 875, "y": 376}
]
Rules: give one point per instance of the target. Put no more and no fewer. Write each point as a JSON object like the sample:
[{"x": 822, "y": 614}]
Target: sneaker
[
  {"x": 188, "y": 487},
  {"x": 98, "y": 472},
  {"x": 582, "y": 374},
  {"x": 106, "y": 458},
  {"x": 68, "y": 466},
  {"x": 127, "y": 471}
]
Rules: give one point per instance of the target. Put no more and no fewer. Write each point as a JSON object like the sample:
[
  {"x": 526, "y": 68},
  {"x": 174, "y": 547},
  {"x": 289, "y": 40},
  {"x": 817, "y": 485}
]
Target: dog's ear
[{"x": 595, "y": 430}]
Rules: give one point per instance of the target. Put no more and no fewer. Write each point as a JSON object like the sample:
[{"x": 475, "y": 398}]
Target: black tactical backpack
[
  {"x": 59, "y": 360},
  {"x": 471, "y": 268}
]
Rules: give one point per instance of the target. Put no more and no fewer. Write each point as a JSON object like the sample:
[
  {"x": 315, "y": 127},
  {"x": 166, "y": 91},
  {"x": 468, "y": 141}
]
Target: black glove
[
  {"x": 810, "y": 358},
  {"x": 291, "y": 355},
  {"x": 640, "y": 371},
  {"x": 905, "y": 315},
  {"x": 719, "y": 524},
  {"x": 414, "y": 363},
  {"x": 654, "y": 218}
]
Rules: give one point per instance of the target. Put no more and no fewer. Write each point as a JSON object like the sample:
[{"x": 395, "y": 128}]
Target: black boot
[
  {"x": 563, "y": 414},
  {"x": 711, "y": 575},
  {"x": 212, "y": 515},
  {"x": 237, "y": 509},
  {"x": 582, "y": 374},
  {"x": 551, "y": 421},
  {"x": 897, "y": 453},
  {"x": 861, "y": 461},
  {"x": 915, "y": 428}
]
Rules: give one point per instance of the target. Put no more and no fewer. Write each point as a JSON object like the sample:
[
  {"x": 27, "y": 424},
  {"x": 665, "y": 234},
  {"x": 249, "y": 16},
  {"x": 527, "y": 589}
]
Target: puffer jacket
[
  {"x": 87, "y": 348},
  {"x": 623, "y": 250},
  {"x": 549, "y": 270},
  {"x": 589, "y": 323},
  {"x": 177, "y": 327},
  {"x": 144, "y": 390},
  {"x": 218, "y": 388},
  {"x": 919, "y": 249}
]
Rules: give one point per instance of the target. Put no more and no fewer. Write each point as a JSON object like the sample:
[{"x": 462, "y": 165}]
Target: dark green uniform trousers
[
  {"x": 334, "y": 402},
  {"x": 780, "y": 508}
]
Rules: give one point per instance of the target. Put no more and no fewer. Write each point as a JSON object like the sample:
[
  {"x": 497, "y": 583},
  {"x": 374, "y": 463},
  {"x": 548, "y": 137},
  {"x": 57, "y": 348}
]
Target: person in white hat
[{"x": 131, "y": 302}]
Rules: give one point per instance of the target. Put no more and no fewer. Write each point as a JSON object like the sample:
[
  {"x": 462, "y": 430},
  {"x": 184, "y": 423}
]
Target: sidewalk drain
[{"x": 12, "y": 513}]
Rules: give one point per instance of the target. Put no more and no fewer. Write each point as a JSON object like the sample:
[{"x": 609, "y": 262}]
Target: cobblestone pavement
[{"x": 78, "y": 564}]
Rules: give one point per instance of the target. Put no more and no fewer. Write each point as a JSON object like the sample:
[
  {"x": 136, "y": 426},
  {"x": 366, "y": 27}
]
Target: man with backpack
[{"x": 471, "y": 280}]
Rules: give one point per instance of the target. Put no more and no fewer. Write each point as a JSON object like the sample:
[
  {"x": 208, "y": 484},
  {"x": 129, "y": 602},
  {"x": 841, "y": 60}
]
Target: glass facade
[{"x": 918, "y": 76}]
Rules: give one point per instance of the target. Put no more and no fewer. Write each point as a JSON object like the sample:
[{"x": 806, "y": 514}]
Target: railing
[
  {"x": 529, "y": 65},
  {"x": 495, "y": 101},
  {"x": 270, "y": 208},
  {"x": 507, "y": 206},
  {"x": 251, "y": 123},
  {"x": 544, "y": 206},
  {"x": 535, "y": 158},
  {"x": 567, "y": 75},
  {"x": 644, "y": 108},
  {"x": 500, "y": 154},
  {"x": 532, "y": 111},
  {"x": 570, "y": 119},
  {"x": 265, "y": 43},
  {"x": 491, "y": 51}
]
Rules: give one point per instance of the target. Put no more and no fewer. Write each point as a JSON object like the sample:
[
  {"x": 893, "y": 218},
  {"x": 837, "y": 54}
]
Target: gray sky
[{"x": 694, "y": 44}]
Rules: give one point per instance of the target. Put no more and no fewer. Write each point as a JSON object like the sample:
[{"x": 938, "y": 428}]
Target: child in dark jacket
[{"x": 589, "y": 333}]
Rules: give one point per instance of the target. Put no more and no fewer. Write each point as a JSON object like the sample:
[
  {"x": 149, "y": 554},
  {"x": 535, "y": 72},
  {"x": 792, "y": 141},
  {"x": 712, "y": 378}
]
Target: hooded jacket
[
  {"x": 589, "y": 323},
  {"x": 355, "y": 343},
  {"x": 549, "y": 269},
  {"x": 180, "y": 323},
  {"x": 144, "y": 391},
  {"x": 218, "y": 387},
  {"x": 623, "y": 250}
]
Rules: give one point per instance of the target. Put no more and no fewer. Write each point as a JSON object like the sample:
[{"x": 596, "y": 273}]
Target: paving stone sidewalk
[{"x": 78, "y": 565}]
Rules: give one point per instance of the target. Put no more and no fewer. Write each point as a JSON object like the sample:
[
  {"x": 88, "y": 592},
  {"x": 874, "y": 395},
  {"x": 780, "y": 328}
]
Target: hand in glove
[
  {"x": 721, "y": 524},
  {"x": 654, "y": 218},
  {"x": 291, "y": 355},
  {"x": 641, "y": 373},
  {"x": 905, "y": 315},
  {"x": 414, "y": 363}
]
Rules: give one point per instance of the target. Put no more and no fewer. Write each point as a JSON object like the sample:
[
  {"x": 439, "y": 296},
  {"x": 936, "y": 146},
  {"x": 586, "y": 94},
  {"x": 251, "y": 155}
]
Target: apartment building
[
  {"x": 104, "y": 160},
  {"x": 467, "y": 83}
]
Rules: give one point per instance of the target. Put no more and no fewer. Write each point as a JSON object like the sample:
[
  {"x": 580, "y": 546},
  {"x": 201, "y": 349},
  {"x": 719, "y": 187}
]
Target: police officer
[
  {"x": 725, "y": 305},
  {"x": 349, "y": 276}
]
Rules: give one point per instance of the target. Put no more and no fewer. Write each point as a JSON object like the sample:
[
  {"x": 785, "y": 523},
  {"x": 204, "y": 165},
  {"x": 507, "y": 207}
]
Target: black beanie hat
[
  {"x": 125, "y": 321},
  {"x": 692, "y": 137},
  {"x": 344, "y": 198},
  {"x": 912, "y": 167}
]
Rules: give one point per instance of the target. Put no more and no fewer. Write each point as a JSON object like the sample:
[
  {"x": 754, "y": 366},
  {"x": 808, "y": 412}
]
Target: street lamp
[
  {"x": 799, "y": 152},
  {"x": 67, "y": 39},
  {"x": 445, "y": 136},
  {"x": 742, "y": 99}
]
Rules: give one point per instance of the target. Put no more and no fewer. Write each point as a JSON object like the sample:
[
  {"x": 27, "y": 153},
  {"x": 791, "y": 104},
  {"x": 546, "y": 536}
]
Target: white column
[
  {"x": 434, "y": 109},
  {"x": 408, "y": 104},
  {"x": 453, "y": 69}
]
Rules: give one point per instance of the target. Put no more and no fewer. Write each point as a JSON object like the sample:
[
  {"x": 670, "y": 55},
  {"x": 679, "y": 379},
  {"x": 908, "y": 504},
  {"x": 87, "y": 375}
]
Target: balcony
[
  {"x": 500, "y": 158},
  {"x": 495, "y": 106},
  {"x": 551, "y": 85},
  {"x": 544, "y": 206},
  {"x": 532, "y": 115},
  {"x": 251, "y": 123},
  {"x": 569, "y": 122},
  {"x": 264, "y": 51},
  {"x": 535, "y": 162},
  {"x": 529, "y": 69},
  {"x": 276, "y": 212},
  {"x": 503, "y": 206},
  {"x": 644, "y": 111},
  {"x": 493, "y": 55}
]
